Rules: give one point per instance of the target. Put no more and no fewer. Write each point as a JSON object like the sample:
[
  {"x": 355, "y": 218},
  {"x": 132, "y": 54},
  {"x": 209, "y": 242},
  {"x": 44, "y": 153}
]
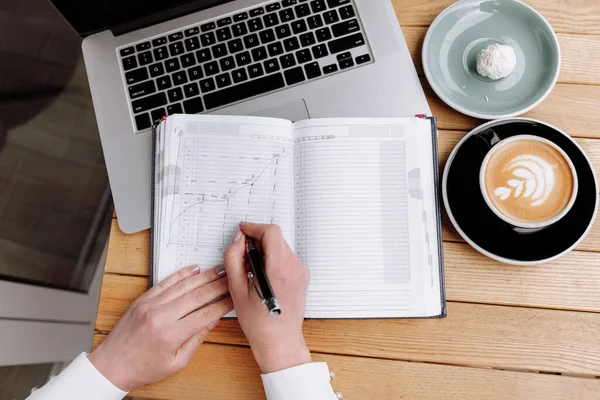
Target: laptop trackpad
[{"x": 294, "y": 111}]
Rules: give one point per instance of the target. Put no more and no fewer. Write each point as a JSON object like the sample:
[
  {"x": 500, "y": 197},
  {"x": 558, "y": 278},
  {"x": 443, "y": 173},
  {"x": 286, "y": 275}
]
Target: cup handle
[{"x": 486, "y": 140}]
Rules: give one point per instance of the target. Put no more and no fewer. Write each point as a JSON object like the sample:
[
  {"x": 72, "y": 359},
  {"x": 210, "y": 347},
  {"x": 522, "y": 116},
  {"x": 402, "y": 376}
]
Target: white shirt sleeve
[
  {"x": 80, "y": 380},
  {"x": 305, "y": 382}
]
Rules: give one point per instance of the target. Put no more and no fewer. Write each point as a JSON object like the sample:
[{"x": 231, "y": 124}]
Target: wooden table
[{"x": 511, "y": 332}]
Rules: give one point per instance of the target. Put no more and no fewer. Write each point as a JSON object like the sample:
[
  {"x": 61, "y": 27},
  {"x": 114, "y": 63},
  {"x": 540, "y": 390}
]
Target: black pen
[{"x": 265, "y": 294}]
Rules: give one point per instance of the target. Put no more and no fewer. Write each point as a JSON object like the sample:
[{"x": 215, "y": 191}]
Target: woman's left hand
[{"x": 163, "y": 329}]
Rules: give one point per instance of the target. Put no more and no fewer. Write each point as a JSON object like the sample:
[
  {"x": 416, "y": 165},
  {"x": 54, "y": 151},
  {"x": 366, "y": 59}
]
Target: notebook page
[
  {"x": 359, "y": 225},
  {"x": 218, "y": 172}
]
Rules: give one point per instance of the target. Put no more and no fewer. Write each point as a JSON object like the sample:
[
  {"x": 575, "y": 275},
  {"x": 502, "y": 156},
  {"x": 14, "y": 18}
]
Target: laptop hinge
[{"x": 165, "y": 15}]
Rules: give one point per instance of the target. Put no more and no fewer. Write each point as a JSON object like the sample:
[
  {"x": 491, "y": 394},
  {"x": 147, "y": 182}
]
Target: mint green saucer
[{"x": 461, "y": 31}]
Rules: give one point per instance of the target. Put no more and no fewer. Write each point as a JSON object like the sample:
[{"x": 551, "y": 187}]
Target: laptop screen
[{"x": 91, "y": 16}]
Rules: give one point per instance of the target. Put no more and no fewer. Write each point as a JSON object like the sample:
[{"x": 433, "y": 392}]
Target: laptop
[{"x": 293, "y": 59}]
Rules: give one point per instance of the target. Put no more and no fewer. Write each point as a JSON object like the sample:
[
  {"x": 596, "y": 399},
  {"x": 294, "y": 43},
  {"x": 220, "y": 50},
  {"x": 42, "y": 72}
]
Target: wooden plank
[
  {"x": 580, "y": 55},
  {"x": 473, "y": 334},
  {"x": 128, "y": 254},
  {"x": 228, "y": 372},
  {"x": 565, "y": 16}
]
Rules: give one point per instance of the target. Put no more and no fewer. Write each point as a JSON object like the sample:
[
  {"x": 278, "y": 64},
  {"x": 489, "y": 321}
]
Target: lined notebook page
[
  {"x": 358, "y": 222},
  {"x": 221, "y": 171}
]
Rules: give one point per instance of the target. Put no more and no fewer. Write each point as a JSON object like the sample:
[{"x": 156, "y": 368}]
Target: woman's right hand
[{"x": 277, "y": 342}]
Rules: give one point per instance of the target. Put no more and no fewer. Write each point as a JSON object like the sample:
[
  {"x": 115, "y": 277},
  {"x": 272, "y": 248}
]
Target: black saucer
[{"x": 479, "y": 226}]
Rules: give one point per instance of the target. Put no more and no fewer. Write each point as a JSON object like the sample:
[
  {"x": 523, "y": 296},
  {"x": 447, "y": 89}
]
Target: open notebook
[{"x": 356, "y": 199}]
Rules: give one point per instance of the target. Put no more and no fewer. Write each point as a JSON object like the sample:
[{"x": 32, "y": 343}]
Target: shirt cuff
[
  {"x": 305, "y": 382},
  {"x": 80, "y": 380}
]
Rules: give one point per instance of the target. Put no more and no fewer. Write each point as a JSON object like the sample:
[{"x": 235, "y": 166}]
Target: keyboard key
[
  {"x": 172, "y": 65},
  {"x": 192, "y": 44},
  {"x": 195, "y": 73},
  {"x": 313, "y": 70},
  {"x": 288, "y": 3},
  {"x": 347, "y": 12},
  {"x": 307, "y": 39},
  {"x": 191, "y": 90},
  {"x": 255, "y": 25},
  {"x": 283, "y": 31},
  {"x": 141, "y": 89},
  {"x": 157, "y": 114},
  {"x": 164, "y": 82},
  {"x": 244, "y": 91},
  {"x": 227, "y": 63},
  {"x": 239, "y": 75},
  {"x": 335, "y": 3},
  {"x": 127, "y": 51},
  {"x": 235, "y": 45},
  {"x": 315, "y": 21},
  {"x": 239, "y": 29},
  {"x": 224, "y": 21},
  {"x": 174, "y": 109},
  {"x": 273, "y": 7},
  {"x": 346, "y": 43},
  {"x": 187, "y": 60},
  {"x": 219, "y": 50},
  {"x": 208, "y": 27},
  {"x": 331, "y": 17},
  {"x": 224, "y": 34},
  {"x": 329, "y": 69},
  {"x": 294, "y": 75},
  {"x": 346, "y": 63},
  {"x": 255, "y": 70},
  {"x": 271, "y": 66},
  {"x": 346, "y": 27},
  {"x": 299, "y": 26},
  {"x": 270, "y": 20},
  {"x": 156, "y": 70},
  {"x": 291, "y": 44},
  {"x": 320, "y": 51},
  {"x": 323, "y": 34},
  {"x": 318, "y": 6},
  {"x": 159, "y": 41},
  {"x": 175, "y": 94},
  {"x": 176, "y": 49},
  {"x": 143, "y": 121},
  {"x": 161, "y": 53},
  {"x": 179, "y": 78},
  {"x": 175, "y": 36},
  {"x": 211, "y": 68},
  {"x": 267, "y": 36},
  {"x": 137, "y": 75},
  {"x": 145, "y": 58},
  {"x": 257, "y": 11},
  {"x": 287, "y": 15},
  {"x": 142, "y": 46},
  {"x": 365, "y": 58},
  {"x": 259, "y": 54},
  {"x": 302, "y": 10},
  {"x": 150, "y": 102},
  {"x": 203, "y": 55},
  {"x": 240, "y": 17},
  {"x": 243, "y": 58},
  {"x": 208, "y": 39},
  {"x": 343, "y": 56},
  {"x": 275, "y": 49},
  {"x": 223, "y": 80},
  {"x": 287, "y": 61},
  {"x": 207, "y": 85},
  {"x": 192, "y": 31},
  {"x": 193, "y": 106},
  {"x": 303, "y": 56},
  {"x": 251, "y": 41}
]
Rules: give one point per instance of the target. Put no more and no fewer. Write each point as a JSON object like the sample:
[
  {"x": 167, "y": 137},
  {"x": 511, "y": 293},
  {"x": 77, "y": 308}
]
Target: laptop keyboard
[{"x": 240, "y": 56}]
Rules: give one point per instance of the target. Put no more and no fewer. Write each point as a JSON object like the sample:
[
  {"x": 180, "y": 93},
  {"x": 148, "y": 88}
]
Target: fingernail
[
  {"x": 220, "y": 270},
  {"x": 195, "y": 269},
  {"x": 237, "y": 236},
  {"x": 213, "y": 326}
]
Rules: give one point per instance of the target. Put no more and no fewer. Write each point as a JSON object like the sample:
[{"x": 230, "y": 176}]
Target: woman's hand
[
  {"x": 163, "y": 329},
  {"x": 277, "y": 342}
]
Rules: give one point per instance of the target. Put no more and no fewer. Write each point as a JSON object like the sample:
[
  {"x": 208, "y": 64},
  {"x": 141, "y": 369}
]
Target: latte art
[{"x": 533, "y": 178}]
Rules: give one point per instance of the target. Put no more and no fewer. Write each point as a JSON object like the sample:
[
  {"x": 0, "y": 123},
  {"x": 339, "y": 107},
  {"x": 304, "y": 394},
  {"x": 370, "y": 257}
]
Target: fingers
[
  {"x": 172, "y": 279},
  {"x": 234, "y": 259},
  {"x": 184, "y": 286},
  {"x": 197, "y": 298},
  {"x": 204, "y": 317},
  {"x": 256, "y": 231}
]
